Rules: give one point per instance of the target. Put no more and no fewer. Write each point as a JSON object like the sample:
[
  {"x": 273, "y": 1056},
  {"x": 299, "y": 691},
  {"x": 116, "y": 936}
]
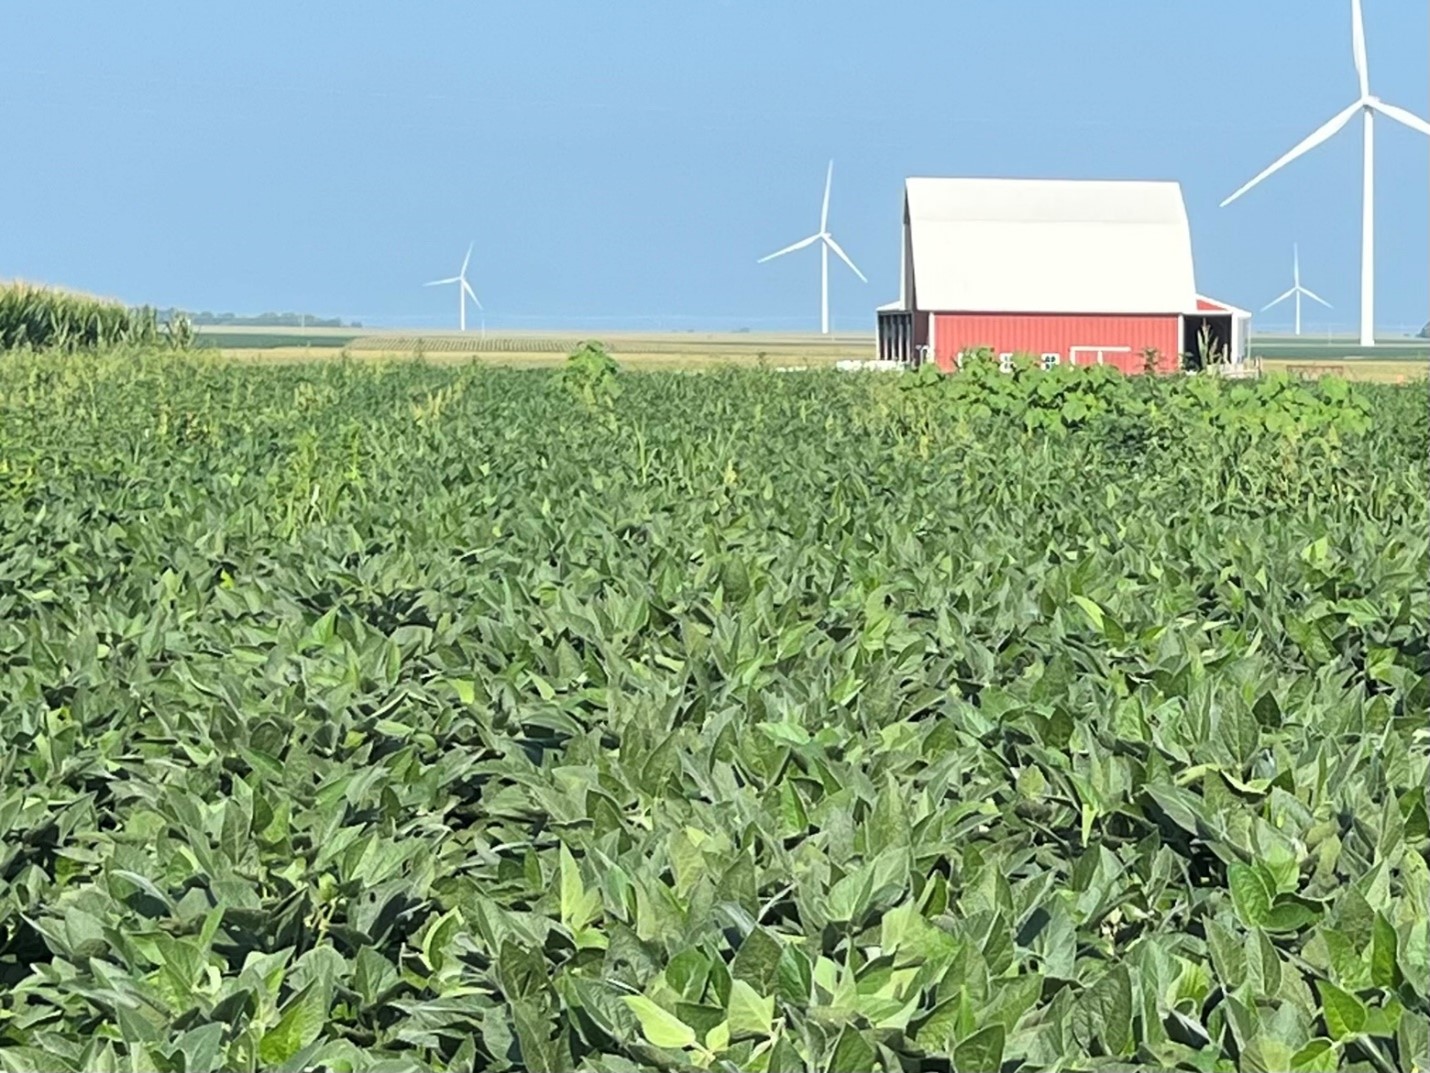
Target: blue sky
[{"x": 624, "y": 164}]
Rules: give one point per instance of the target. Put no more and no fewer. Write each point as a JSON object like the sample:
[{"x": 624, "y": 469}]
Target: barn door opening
[
  {"x": 1218, "y": 338},
  {"x": 896, "y": 337}
]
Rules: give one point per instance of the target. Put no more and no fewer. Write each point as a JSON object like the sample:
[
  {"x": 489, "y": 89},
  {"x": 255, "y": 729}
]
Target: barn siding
[{"x": 1057, "y": 334}]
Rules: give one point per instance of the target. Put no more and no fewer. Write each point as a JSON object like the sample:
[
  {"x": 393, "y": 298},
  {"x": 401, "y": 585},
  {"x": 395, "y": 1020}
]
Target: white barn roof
[{"x": 1047, "y": 246}]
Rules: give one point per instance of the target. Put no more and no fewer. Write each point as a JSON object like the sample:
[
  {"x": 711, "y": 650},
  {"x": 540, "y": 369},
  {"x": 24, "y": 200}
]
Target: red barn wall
[{"x": 1056, "y": 333}]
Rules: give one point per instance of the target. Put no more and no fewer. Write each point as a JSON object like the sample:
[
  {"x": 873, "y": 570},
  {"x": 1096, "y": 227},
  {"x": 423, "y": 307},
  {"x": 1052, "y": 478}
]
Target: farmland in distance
[
  {"x": 1395, "y": 360},
  {"x": 417, "y": 715}
]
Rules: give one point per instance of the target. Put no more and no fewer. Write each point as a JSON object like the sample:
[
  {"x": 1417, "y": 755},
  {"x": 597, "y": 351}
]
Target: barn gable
[{"x": 1047, "y": 246}]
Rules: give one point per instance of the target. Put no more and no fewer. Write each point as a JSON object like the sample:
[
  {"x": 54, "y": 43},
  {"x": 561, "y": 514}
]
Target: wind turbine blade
[
  {"x": 1296, "y": 263},
  {"x": 1400, "y": 115},
  {"x": 1358, "y": 47},
  {"x": 439, "y": 282},
  {"x": 471, "y": 293},
  {"x": 843, "y": 256},
  {"x": 465, "y": 261},
  {"x": 824, "y": 212},
  {"x": 1315, "y": 297},
  {"x": 1325, "y": 132},
  {"x": 801, "y": 244},
  {"x": 1278, "y": 301}
]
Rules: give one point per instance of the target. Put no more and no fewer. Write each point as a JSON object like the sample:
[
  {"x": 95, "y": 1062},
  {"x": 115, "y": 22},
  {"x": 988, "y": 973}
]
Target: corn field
[{"x": 43, "y": 318}]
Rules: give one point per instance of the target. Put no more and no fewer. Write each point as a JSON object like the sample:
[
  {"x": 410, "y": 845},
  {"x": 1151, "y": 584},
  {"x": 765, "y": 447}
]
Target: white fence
[{"x": 870, "y": 366}]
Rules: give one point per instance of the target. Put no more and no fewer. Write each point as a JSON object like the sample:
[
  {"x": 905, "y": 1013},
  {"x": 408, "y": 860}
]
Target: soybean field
[{"x": 415, "y": 716}]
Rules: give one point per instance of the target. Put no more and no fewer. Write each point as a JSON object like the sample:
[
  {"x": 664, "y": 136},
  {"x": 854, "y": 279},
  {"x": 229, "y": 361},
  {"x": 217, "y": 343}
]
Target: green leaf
[
  {"x": 660, "y": 1027},
  {"x": 1013, "y": 998},
  {"x": 981, "y": 1052},
  {"x": 1318, "y": 1056},
  {"x": 888, "y": 823},
  {"x": 1355, "y": 918},
  {"x": 521, "y": 970},
  {"x": 1384, "y": 969},
  {"x": 751, "y": 1014},
  {"x": 373, "y": 974},
  {"x": 201, "y": 1047},
  {"x": 785, "y": 1057},
  {"x": 540, "y": 1053},
  {"x": 794, "y": 978},
  {"x": 686, "y": 861},
  {"x": 438, "y": 938},
  {"x": 1250, "y": 894},
  {"x": 848, "y": 895},
  {"x": 1344, "y": 1013},
  {"x": 718, "y": 1038},
  {"x": 757, "y": 962},
  {"x": 1112, "y": 997},
  {"x": 851, "y": 1053},
  {"x": 1266, "y": 1054},
  {"x": 1182, "y": 807},
  {"x": 1383, "y": 1020},
  {"x": 700, "y": 1017},
  {"x": 940, "y": 1027},
  {"x": 1348, "y": 968},
  {"x": 573, "y": 890},
  {"x": 1268, "y": 966},
  {"x": 1228, "y": 954},
  {"x": 1412, "y": 1040},
  {"x": 1093, "y": 611},
  {"x": 1289, "y": 916},
  {"x": 301, "y": 1023}
]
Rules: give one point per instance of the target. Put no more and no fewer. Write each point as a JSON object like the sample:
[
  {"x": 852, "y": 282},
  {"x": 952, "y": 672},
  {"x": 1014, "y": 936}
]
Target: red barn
[{"x": 1068, "y": 271}]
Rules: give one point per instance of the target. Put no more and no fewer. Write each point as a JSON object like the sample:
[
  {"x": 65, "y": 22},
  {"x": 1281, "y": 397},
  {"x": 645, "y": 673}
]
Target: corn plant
[
  {"x": 44, "y": 318},
  {"x": 1210, "y": 351}
]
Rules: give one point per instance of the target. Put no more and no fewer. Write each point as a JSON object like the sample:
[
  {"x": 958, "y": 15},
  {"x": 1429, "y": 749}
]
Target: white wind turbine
[
  {"x": 463, "y": 292},
  {"x": 1296, "y": 289},
  {"x": 827, "y": 242},
  {"x": 1367, "y": 104}
]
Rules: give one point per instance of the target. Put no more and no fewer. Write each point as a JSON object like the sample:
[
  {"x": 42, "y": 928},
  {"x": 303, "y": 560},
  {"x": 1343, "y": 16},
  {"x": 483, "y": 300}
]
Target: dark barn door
[
  {"x": 1218, "y": 330},
  {"x": 896, "y": 336}
]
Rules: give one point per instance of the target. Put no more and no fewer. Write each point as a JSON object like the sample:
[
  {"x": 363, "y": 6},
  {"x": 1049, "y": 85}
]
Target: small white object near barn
[{"x": 1070, "y": 271}]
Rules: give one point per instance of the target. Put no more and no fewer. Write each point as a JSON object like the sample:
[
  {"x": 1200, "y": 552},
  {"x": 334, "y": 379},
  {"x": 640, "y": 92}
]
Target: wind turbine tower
[
  {"x": 464, "y": 291},
  {"x": 1297, "y": 290},
  {"x": 827, "y": 243},
  {"x": 1366, "y": 105}
]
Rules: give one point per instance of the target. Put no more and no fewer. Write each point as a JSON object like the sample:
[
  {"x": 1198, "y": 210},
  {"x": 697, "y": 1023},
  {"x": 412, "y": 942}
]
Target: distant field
[
  {"x": 1367, "y": 369},
  {"x": 1392, "y": 360},
  {"x": 1338, "y": 348},
  {"x": 639, "y": 349},
  {"x": 244, "y": 338}
]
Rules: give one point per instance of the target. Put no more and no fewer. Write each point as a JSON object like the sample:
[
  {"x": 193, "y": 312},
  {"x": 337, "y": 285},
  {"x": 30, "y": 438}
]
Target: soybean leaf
[
  {"x": 301, "y": 1022},
  {"x": 659, "y": 1026},
  {"x": 851, "y": 1053},
  {"x": 980, "y": 1052},
  {"x": 1344, "y": 1013},
  {"x": 750, "y": 1013}
]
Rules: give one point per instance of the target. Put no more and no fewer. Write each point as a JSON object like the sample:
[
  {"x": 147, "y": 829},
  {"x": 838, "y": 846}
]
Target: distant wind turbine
[
  {"x": 827, "y": 243},
  {"x": 463, "y": 292},
  {"x": 1297, "y": 290},
  {"x": 1367, "y": 104}
]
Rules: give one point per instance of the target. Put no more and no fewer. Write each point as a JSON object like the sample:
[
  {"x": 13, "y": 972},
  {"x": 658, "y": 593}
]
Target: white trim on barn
[{"x": 1073, "y": 352}]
